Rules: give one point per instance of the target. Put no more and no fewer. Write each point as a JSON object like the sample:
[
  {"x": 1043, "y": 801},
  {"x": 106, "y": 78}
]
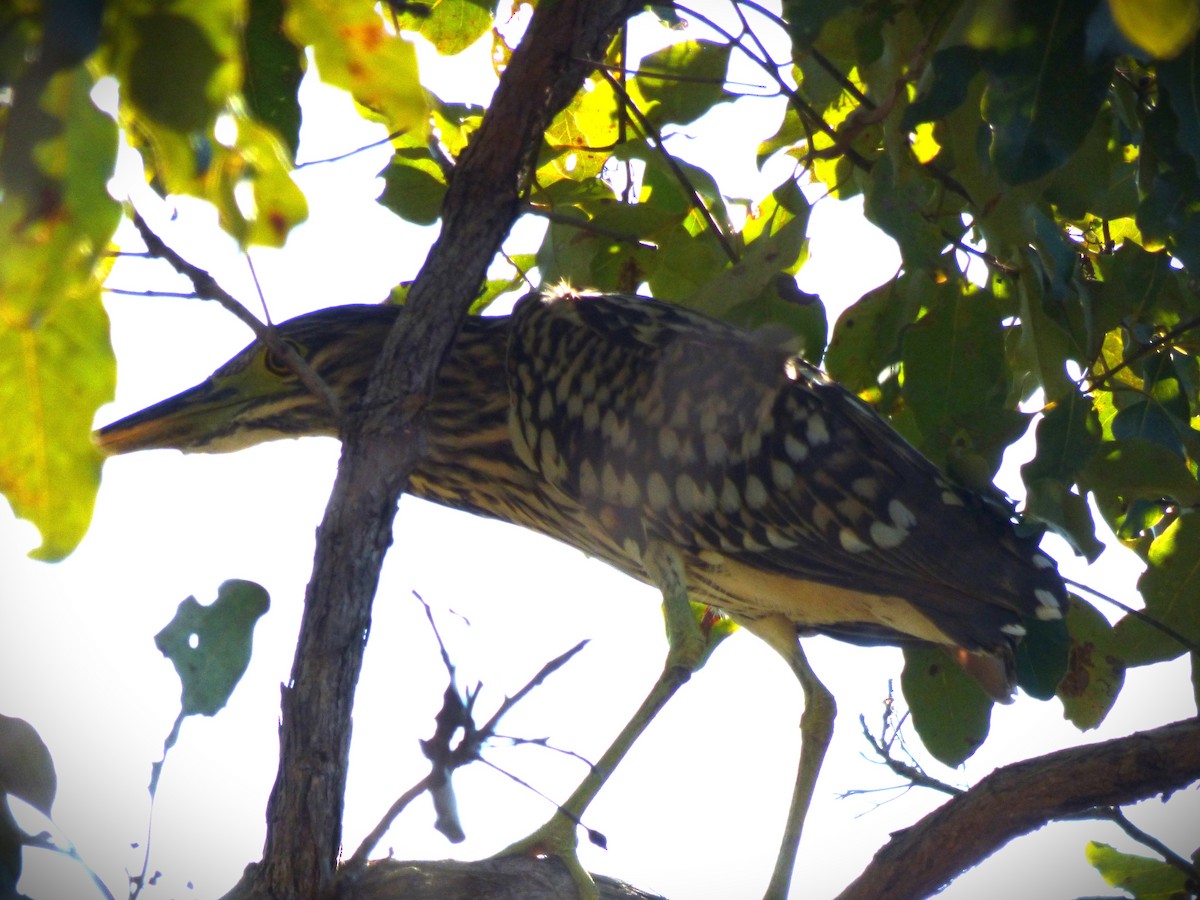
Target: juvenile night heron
[{"x": 688, "y": 454}]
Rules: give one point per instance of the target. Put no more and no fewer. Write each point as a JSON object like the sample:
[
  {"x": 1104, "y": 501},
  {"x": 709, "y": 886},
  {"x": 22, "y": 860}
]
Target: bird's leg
[
  {"x": 816, "y": 730},
  {"x": 687, "y": 650}
]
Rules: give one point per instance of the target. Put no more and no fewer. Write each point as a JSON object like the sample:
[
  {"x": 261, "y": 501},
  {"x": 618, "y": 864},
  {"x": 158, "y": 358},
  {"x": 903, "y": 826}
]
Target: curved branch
[{"x": 1019, "y": 798}]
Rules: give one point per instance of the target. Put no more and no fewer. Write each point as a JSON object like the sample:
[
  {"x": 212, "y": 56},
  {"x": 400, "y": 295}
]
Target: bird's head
[{"x": 256, "y": 397}]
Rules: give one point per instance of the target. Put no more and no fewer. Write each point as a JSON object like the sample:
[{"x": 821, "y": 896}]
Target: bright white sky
[{"x": 695, "y": 811}]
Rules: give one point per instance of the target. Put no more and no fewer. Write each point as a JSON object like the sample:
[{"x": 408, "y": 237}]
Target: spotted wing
[{"x": 669, "y": 425}]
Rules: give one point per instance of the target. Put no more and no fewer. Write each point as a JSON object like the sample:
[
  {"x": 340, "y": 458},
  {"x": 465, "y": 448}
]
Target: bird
[{"x": 708, "y": 461}]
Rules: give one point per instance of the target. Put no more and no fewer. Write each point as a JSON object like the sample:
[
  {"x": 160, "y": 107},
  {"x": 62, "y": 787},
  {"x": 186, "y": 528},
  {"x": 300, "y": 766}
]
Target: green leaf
[
  {"x": 450, "y": 25},
  {"x": 414, "y": 186},
  {"x": 759, "y": 289},
  {"x": 1050, "y": 501},
  {"x": 1095, "y": 674},
  {"x": 954, "y": 364},
  {"x": 945, "y": 86},
  {"x": 277, "y": 205},
  {"x": 791, "y": 132},
  {"x": 866, "y": 336},
  {"x": 273, "y": 68},
  {"x": 210, "y": 645},
  {"x": 903, "y": 204},
  {"x": 1147, "y": 420},
  {"x": 1170, "y": 587},
  {"x": 1067, "y": 436},
  {"x": 588, "y": 121},
  {"x": 26, "y": 768},
  {"x": 354, "y": 51},
  {"x": 169, "y": 72},
  {"x": 56, "y": 363},
  {"x": 950, "y": 712},
  {"x": 1179, "y": 85},
  {"x": 681, "y": 82},
  {"x": 1045, "y": 86},
  {"x": 1142, "y": 876},
  {"x": 1135, "y": 479}
]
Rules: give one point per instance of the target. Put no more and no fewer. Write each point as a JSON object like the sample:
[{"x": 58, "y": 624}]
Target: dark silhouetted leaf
[
  {"x": 950, "y": 711},
  {"x": 210, "y": 645},
  {"x": 26, "y": 769}
]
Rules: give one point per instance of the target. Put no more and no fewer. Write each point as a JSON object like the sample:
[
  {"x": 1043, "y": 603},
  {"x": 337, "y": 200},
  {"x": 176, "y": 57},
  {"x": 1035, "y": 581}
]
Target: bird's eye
[{"x": 276, "y": 364}]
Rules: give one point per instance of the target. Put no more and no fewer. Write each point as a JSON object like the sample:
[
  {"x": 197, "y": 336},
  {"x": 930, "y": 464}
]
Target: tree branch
[
  {"x": 383, "y": 441},
  {"x": 1019, "y": 798}
]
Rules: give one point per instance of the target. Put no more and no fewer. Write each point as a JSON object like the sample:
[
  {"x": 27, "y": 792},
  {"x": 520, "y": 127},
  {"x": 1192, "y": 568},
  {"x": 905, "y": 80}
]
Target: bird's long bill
[{"x": 188, "y": 421}]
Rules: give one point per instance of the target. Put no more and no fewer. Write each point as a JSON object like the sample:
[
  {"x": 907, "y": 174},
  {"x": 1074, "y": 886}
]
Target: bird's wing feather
[{"x": 669, "y": 425}]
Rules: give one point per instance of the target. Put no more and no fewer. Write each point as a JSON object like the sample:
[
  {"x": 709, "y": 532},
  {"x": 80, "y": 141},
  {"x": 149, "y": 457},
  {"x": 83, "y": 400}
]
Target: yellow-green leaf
[
  {"x": 1160, "y": 27},
  {"x": 1095, "y": 674},
  {"x": 1171, "y": 588},
  {"x": 1142, "y": 876},
  {"x": 56, "y": 363},
  {"x": 353, "y": 51}
]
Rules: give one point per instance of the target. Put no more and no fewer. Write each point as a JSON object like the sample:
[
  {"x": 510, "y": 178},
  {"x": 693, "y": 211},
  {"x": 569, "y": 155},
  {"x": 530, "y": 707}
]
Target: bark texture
[{"x": 1021, "y": 798}]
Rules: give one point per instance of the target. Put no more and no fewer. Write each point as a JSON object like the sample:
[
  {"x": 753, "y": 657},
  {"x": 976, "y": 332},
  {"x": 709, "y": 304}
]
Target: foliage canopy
[{"x": 1038, "y": 166}]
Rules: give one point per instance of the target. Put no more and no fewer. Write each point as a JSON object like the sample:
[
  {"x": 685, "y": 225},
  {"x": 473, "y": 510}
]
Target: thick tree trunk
[{"x": 380, "y": 447}]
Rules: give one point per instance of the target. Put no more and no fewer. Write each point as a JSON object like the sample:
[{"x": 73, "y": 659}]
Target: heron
[{"x": 710, "y": 462}]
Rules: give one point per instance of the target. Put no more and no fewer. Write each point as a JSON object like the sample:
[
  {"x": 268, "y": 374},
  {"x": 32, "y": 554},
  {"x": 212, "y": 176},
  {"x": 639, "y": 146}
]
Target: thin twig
[
  {"x": 1146, "y": 349},
  {"x": 587, "y": 225},
  {"x": 914, "y": 774},
  {"x": 1117, "y": 816},
  {"x": 1141, "y": 615},
  {"x": 456, "y": 714},
  {"x": 376, "y": 834},
  {"x": 698, "y": 202},
  {"x": 207, "y": 288},
  {"x": 332, "y": 159}
]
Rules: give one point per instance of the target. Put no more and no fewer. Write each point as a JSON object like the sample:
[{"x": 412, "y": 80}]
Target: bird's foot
[{"x": 558, "y": 838}]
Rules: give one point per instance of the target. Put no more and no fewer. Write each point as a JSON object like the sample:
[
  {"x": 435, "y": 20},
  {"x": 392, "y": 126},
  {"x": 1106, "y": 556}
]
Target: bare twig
[
  {"x": 582, "y": 224},
  {"x": 1021, "y": 797},
  {"x": 455, "y": 717},
  {"x": 208, "y": 288},
  {"x": 1117, "y": 816},
  {"x": 1141, "y": 615},
  {"x": 697, "y": 201},
  {"x": 915, "y": 775}
]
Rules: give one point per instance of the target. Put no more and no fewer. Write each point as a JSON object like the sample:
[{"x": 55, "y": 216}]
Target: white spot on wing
[
  {"x": 731, "y": 500},
  {"x": 631, "y": 494},
  {"x": 901, "y": 515},
  {"x": 657, "y": 491},
  {"x": 782, "y": 474},
  {"x": 887, "y": 536},
  {"x": 776, "y": 539},
  {"x": 668, "y": 443},
  {"x": 715, "y": 449},
  {"x": 686, "y": 492},
  {"x": 1014, "y": 630},
  {"x": 951, "y": 499},
  {"x": 756, "y": 493},
  {"x": 589, "y": 484},
  {"x": 609, "y": 483},
  {"x": 851, "y": 542},
  {"x": 1042, "y": 561},
  {"x": 1048, "y": 609},
  {"x": 796, "y": 450},
  {"x": 817, "y": 433}
]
